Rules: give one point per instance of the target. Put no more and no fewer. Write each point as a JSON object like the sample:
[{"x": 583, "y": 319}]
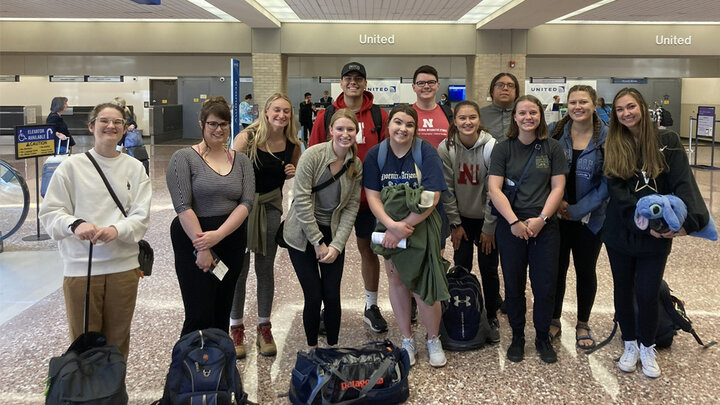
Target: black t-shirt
[
  {"x": 509, "y": 159},
  {"x": 570, "y": 185},
  {"x": 270, "y": 168}
]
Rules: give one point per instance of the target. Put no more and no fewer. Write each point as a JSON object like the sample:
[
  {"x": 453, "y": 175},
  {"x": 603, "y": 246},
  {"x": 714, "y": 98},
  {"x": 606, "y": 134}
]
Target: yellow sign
[{"x": 32, "y": 149}]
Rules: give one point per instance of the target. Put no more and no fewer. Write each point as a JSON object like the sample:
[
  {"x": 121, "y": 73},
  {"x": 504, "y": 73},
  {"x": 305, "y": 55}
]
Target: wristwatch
[{"x": 544, "y": 217}]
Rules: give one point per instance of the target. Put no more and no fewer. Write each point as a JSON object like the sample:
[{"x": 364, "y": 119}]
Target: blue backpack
[
  {"x": 203, "y": 371},
  {"x": 464, "y": 324}
]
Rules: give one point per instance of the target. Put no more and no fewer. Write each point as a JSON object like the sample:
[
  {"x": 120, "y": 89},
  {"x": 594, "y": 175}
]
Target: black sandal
[{"x": 584, "y": 337}]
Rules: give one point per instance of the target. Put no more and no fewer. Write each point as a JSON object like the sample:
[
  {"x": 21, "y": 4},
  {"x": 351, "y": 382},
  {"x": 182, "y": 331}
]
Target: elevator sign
[{"x": 34, "y": 141}]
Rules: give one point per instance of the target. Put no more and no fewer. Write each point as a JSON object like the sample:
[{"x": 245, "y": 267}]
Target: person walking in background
[
  {"x": 465, "y": 155},
  {"x": 272, "y": 145},
  {"x": 78, "y": 208},
  {"x": 246, "y": 111},
  {"x": 641, "y": 160},
  {"x": 527, "y": 231},
  {"x": 603, "y": 110},
  {"x": 327, "y": 197},
  {"x": 129, "y": 117},
  {"x": 403, "y": 194},
  {"x": 326, "y": 100},
  {"x": 582, "y": 211},
  {"x": 372, "y": 127},
  {"x": 212, "y": 190},
  {"x": 58, "y": 105},
  {"x": 444, "y": 100},
  {"x": 306, "y": 114}
]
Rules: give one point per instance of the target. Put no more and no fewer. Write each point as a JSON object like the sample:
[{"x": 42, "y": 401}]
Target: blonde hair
[
  {"x": 259, "y": 129},
  {"x": 597, "y": 123},
  {"x": 347, "y": 113},
  {"x": 622, "y": 148}
]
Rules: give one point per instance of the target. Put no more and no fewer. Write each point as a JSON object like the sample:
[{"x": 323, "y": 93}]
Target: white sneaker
[
  {"x": 409, "y": 345},
  {"x": 648, "y": 358},
  {"x": 629, "y": 359},
  {"x": 437, "y": 355}
]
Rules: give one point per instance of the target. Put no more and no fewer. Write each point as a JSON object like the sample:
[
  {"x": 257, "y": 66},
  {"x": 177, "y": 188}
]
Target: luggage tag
[{"x": 219, "y": 269}]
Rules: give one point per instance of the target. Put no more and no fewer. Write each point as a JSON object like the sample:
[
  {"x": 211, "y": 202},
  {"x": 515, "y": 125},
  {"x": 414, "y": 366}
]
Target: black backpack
[
  {"x": 203, "y": 371},
  {"x": 374, "y": 111},
  {"x": 90, "y": 371},
  {"x": 665, "y": 118},
  {"x": 671, "y": 318},
  {"x": 464, "y": 325}
]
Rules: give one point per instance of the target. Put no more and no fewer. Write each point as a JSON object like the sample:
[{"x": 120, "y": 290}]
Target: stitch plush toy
[{"x": 664, "y": 213}]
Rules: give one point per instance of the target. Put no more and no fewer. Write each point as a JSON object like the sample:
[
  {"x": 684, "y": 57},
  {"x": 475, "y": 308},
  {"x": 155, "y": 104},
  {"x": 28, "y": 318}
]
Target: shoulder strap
[
  {"x": 377, "y": 120},
  {"x": 527, "y": 166},
  {"x": 382, "y": 153},
  {"x": 487, "y": 151},
  {"x": 452, "y": 152},
  {"x": 417, "y": 151},
  {"x": 329, "y": 111},
  {"x": 332, "y": 179},
  {"x": 107, "y": 184},
  {"x": 448, "y": 112}
]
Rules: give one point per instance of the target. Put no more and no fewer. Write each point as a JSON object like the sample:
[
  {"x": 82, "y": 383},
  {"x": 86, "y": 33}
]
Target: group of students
[{"x": 499, "y": 179}]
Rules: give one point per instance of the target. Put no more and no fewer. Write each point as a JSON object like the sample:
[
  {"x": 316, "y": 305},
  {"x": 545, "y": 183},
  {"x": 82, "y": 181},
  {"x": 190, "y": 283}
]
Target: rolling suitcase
[
  {"x": 51, "y": 164},
  {"x": 90, "y": 371}
]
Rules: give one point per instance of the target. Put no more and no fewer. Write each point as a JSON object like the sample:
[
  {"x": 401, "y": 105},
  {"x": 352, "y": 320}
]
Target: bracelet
[
  {"x": 516, "y": 221},
  {"x": 75, "y": 224}
]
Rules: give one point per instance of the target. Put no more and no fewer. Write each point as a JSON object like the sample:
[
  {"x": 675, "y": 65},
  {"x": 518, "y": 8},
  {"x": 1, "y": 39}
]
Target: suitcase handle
[{"x": 67, "y": 147}]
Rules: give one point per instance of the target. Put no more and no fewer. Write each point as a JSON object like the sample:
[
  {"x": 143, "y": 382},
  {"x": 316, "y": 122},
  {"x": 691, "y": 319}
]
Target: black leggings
[
  {"x": 320, "y": 283},
  {"x": 206, "y": 299},
  {"x": 638, "y": 277},
  {"x": 585, "y": 247},
  {"x": 488, "y": 264}
]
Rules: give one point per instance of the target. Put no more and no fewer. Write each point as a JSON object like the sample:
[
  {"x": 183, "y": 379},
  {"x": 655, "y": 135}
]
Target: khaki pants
[{"x": 112, "y": 303}]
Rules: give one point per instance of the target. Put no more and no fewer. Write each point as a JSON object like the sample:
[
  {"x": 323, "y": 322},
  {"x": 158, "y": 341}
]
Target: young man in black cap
[{"x": 373, "y": 129}]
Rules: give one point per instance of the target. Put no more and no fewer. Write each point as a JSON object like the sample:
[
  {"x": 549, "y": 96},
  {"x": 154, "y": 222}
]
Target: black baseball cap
[{"x": 353, "y": 67}]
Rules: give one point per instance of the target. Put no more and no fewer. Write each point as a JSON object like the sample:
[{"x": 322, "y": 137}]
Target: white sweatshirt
[{"x": 76, "y": 191}]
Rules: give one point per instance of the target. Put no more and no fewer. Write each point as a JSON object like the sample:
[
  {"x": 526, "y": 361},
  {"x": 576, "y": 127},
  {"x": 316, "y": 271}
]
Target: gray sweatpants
[{"x": 264, "y": 271}]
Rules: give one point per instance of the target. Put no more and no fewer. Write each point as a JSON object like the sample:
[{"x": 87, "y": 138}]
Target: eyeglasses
[
  {"x": 107, "y": 121},
  {"x": 356, "y": 79},
  {"x": 500, "y": 85},
  {"x": 214, "y": 125},
  {"x": 423, "y": 83}
]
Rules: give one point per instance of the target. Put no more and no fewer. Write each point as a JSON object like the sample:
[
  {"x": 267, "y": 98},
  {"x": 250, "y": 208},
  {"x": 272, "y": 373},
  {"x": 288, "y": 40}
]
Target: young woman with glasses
[
  {"x": 212, "y": 190},
  {"x": 78, "y": 209}
]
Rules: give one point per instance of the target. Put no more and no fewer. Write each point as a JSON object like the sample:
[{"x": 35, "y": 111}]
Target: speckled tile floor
[{"x": 29, "y": 339}]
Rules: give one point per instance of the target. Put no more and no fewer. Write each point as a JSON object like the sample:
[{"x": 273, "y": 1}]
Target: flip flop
[
  {"x": 584, "y": 337},
  {"x": 558, "y": 333}
]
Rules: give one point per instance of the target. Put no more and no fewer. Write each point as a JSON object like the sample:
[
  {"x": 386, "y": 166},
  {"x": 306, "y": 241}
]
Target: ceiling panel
[
  {"x": 381, "y": 10},
  {"x": 654, "y": 10},
  {"x": 110, "y": 9}
]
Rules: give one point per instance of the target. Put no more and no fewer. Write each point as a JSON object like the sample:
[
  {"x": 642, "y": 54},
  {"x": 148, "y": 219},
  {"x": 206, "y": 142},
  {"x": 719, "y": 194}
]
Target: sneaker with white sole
[
  {"x": 411, "y": 348},
  {"x": 648, "y": 358},
  {"x": 374, "y": 318},
  {"x": 628, "y": 361},
  {"x": 435, "y": 350}
]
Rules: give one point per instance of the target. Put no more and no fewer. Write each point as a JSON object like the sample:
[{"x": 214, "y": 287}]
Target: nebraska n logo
[
  {"x": 428, "y": 123},
  {"x": 458, "y": 301}
]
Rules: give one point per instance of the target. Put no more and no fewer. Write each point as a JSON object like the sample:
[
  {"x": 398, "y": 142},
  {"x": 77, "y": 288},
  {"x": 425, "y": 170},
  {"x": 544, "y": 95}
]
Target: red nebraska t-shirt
[{"x": 432, "y": 125}]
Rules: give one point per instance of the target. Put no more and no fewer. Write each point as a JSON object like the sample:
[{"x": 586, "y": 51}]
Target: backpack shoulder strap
[
  {"x": 382, "y": 153},
  {"x": 452, "y": 152},
  {"x": 417, "y": 151},
  {"x": 448, "y": 112},
  {"x": 487, "y": 151},
  {"x": 377, "y": 120}
]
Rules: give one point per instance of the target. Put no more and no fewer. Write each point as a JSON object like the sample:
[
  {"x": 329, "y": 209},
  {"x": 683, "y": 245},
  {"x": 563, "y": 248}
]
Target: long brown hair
[
  {"x": 452, "y": 130},
  {"x": 541, "y": 131},
  {"x": 259, "y": 129},
  {"x": 597, "y": 123},
  {"x": 622, "y": 148},
  {"x": 347, "y": 113}
]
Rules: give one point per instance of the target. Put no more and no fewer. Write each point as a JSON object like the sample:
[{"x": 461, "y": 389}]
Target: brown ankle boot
[
  {"x": 237, "y": 332},
  {"x": 265, "y": 341}
]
